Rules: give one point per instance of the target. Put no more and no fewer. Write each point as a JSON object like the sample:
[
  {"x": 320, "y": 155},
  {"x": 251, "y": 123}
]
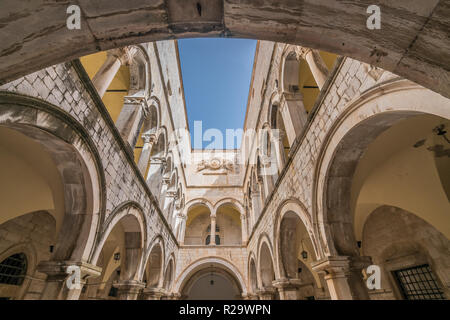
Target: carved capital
[
  {"x": 303, "y": 52},
  {"x": 125, "y": 54},
  {"x": 181, "y": 216},
  {"x": 57, "y": 270},
  {"x": 149, "y": 138},
  {"x": 215, "y": 164}
]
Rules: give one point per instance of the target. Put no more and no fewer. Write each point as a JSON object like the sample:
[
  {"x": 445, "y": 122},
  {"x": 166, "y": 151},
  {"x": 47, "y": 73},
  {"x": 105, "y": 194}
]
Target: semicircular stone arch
[
  {"x": 320, "y": 28},
  {"x": 363, "y": 120},
  {"x": 190, "y": 270},
  {"x": 77, "y": 161}
]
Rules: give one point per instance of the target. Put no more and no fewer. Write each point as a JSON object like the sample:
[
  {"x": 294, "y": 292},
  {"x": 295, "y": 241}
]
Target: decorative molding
[{"x": 216, "y": 164}]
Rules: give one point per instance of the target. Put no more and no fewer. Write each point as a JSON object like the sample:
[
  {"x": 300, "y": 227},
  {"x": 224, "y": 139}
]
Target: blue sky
[{"x": 216, "y": 78}]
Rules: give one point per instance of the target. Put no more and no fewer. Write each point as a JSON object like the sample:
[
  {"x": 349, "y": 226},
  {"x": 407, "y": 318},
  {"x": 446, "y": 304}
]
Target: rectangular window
[{"x": 418, "y": 283}]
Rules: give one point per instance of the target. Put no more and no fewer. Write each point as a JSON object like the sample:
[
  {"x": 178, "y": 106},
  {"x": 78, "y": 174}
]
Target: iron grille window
[
  {"x": 13, "y": 269},
  {"x": 418, "y": 283}
]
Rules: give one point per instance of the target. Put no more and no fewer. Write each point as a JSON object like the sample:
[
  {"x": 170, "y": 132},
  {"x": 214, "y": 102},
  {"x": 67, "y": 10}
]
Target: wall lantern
[
  {"x": 117, "y": 256},
  {"x": 304, "y": 252},
  {"x": 304, "y": 255}
]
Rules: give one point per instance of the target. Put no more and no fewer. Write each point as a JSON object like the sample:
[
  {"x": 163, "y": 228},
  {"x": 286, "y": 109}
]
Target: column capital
[
  {"x": 171, "y": 193},
  {"x": 125, "y": 54},
  {"x": 266, "y": 293},
  {"x": 303, "y": 52},
  {"x": 149, "y": 138},
  {"x": 173, "y": 296},
  {"x": 290, "y": 96},
  {"x": 58, "y": 269},
  {"x": 181, "y": 216},
  {"x": 340, "y": 265},
  {"x": 287, "y": 283},
  {"x": 136, "y": 100},
  {"x": 129, "y": 286},
  {"x": 332, "y": 265},
  {"x": 250, "y": 296},
  {"x": 154, "y": 293}
]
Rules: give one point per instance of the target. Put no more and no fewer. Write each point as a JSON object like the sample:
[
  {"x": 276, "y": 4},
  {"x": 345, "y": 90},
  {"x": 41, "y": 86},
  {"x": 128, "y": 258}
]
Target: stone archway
[
  {"x": 120, "y": 247},
  {"x": 361, "y": 123},
  {"x": 77, "y": 162},
  {"x": 252, "y": 275},
  {"x": 169, "y": 275},
  {"x": 406, "y": 43},
  {"x": 266, "y": 270},
  {"x": 195, "y": 280},
  {"x": 295, "y": 252},
  {"x": 401, "y": 243}
]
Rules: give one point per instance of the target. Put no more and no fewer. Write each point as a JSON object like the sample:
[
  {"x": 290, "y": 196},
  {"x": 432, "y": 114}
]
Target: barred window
[
  {"x": 418, "y": 283},
  {"x": 13, "y": 269}
]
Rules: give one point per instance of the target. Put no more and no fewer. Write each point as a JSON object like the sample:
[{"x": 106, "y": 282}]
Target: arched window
[
  {"x": 13, "y": 269},
  {"x": 209, "y": 228},
  {"x": 208, "y": 237}
]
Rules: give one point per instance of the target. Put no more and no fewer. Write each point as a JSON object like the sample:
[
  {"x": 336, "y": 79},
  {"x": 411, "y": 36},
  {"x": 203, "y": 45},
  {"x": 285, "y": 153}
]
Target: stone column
[
  {"x": 131, "y": 118},
  {"x": 153, "y": 293},
  {"x": 244, "y": 229},
  {"x": 174, "y": 296},
  {"x": 318, "y": 68},
  {"x": 133, "y": 255},
  {"x": 169, "y": 198},
  {"x": 256, "y": 204},
  {"x": 154, "y": 176},
  {"x": 269, "y": 170},
  {"x": 212, "y": 242},
  {"x": 343, "y": 275},
  {"x": 266, "y": 294},
  {"x": 250, "y": 296},
  {"x": 59, "y": 283},
  {"x": 128, "y": 289},
  {"x": 294, "y": 115},
  {"x": 287, "y": 288},
  {"x": 107, "y": 72},
  {"x": 181, "y": 229},
  {"x": 149, "y": 140},
  {"x": 279, "y": 149},
  {"x": 164, "y": 189}
]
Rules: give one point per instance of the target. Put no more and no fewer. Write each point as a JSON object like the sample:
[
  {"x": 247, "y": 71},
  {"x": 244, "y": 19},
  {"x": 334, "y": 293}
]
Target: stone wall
[
  {"x": 350, "y": 79},
  {"x": 66, "y": 87},
  {"x": 31, "y": 234}
]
